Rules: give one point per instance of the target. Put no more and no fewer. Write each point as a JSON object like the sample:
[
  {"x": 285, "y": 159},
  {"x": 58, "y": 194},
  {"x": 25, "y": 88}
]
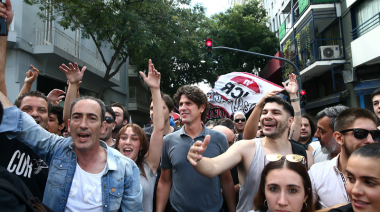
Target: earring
[
  {"x": 140, "y": 153},
  {"x": 265, "y": 203},
  {"x": 305, "y": 205}
]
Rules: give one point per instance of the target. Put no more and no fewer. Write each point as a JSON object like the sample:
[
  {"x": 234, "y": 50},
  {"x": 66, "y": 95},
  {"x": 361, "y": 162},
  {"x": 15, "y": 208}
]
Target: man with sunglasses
[
  {"x": 239, "y": 122},
  {"x": 354, "y": 128},
  {"x": 110, "y": 120}
]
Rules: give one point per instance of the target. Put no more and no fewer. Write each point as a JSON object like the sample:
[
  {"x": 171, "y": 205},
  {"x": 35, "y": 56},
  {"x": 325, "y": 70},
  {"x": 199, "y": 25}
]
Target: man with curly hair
[{"x": 177, "y": 176}]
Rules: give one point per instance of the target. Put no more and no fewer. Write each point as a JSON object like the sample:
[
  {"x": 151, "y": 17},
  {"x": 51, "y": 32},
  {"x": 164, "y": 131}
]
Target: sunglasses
[
  {"x": 109, "y": 120},
  {"x": 363, "y": 133},
  {"x": 291, "y": 158},
  {"x": 238, "y": 120}
]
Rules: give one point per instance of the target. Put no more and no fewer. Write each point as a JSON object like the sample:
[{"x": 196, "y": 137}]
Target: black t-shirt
[{"x": 20, "y": 160}]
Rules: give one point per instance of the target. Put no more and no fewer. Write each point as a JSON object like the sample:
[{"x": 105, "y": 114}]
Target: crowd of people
[{"x": 87, "y": 156}]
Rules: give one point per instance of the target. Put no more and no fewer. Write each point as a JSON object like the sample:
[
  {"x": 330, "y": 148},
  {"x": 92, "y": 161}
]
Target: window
[{"x": 366, "y": 10}]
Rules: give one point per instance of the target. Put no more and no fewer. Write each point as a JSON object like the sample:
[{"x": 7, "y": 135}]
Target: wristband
[
  {"x": 297, "y": 113},
  {"x": 295, "y": 100}
]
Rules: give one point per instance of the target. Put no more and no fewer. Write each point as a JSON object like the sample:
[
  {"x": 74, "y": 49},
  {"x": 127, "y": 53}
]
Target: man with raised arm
[
  {"x": 84, "y": 174},
  {"x": 248, "y": 155},
  {"x": 188, "y": 190}
]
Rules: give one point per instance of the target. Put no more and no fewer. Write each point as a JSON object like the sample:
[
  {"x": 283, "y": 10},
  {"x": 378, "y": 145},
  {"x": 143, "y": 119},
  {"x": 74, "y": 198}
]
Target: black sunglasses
[
  {"x": 237, "y": 120},
  {"x": 363, "y": 133},
  {"x": 109, "y": 120}
]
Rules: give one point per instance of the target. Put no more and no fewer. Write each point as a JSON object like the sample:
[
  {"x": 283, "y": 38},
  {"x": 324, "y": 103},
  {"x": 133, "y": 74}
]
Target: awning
[
  {"x": 366, "y": 87},
  {"x": 327, "y": 100}
]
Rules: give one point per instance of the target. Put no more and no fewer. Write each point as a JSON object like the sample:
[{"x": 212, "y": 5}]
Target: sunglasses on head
[
  {"x": 291, "y": 158},
  {"x": 237, "y": 120},
  {"x": 109, "y": 120},
  {"x": 363, "y": 133}
]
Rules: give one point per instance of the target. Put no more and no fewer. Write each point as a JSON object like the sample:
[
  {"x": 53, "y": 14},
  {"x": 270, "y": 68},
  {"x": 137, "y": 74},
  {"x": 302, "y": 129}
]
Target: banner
[{"x": 237, "y": 91}]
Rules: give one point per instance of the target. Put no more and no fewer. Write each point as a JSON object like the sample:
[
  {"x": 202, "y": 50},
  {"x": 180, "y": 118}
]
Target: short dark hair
[
  {"x": 211, "y": 122},
  {"x": 58, "y": 111},
  {"x": 168, "y": 101},
  {"x": 110, "y": 111},
  {"x": 347, "y": 117},
  {"x": 194, "y": 94},
  {"x": 368, "y": 151},
  {"x": 332, "y": 113},
  {"x": 227, "y": 123},
  {"x": 312, "y": 123},
  {"x": 376, "y": 92},
  {"x": 287, "y": 107},
  {"x": 100, "y": 102},
  {"x": 121, "y": 106},
  {"x": 280, "y": 164},
  {"x": 36, "y": 94}
]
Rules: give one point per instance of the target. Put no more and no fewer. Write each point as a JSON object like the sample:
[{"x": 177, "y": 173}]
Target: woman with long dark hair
[{"x": 285, "y": 185}]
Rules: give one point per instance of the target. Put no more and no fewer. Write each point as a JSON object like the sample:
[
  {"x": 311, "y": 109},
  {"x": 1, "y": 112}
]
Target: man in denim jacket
[{"x": 76, "y": 161}]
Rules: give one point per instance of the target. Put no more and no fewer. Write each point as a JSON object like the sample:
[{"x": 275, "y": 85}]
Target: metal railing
[
  {"x": 54, "y": 36},
  {"x": 366, "y": 26},
  {"x": 286, "y": 25},
  {"x": 137, "y": 95}
]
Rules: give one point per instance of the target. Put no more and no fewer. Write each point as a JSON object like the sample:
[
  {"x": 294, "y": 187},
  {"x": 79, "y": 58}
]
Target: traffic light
[
  {"x": 209, "y": 47},
  {"x": 303, "y": 98}
]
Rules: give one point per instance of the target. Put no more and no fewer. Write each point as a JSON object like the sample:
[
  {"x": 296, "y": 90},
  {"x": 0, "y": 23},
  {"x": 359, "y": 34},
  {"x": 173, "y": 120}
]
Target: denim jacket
[{"x": 121, "y": 187}]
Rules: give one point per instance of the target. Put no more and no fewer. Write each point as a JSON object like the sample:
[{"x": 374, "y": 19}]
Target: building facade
[
  {"x": 47, "y": 45},
  {"x": 333, "y": 43}
]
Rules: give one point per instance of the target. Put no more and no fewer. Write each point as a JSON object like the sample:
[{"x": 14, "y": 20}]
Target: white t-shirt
[{"x": 85, "y": 192}]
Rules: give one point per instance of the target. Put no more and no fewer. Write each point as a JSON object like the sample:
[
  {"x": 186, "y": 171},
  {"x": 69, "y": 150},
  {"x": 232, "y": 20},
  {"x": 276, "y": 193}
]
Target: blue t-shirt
[{"x": 191, "y": 191}]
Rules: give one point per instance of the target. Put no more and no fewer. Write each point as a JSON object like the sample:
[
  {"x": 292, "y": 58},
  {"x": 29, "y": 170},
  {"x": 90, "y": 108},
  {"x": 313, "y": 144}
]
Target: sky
[{"x": 212, "y": 6}]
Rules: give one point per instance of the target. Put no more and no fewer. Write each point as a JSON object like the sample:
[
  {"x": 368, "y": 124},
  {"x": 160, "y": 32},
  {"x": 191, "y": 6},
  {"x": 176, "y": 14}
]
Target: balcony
[
  {"x": 138, "y": 99},
  {"x": 132, "y": 71},
  {"x": 314, "y": 45},
  {"x": 365, "y": 39},
  {"x": 301, "y": 9},
  {"x": 53, "y": 37}
]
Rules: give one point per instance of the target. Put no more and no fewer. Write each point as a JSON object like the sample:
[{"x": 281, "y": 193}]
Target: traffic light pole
[{"x": 264, "y": 55}]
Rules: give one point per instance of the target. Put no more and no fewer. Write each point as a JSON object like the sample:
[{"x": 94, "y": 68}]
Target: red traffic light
[
  {"x": 302, "y": 92},
  {"x": 209, "y": 42}
]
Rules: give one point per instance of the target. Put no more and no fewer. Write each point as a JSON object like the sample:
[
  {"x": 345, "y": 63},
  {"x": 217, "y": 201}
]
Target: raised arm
[
  {"x": 74, "y": 75},
  {"x": 31, "y": 76},
  {"x": 211, "y": 167},
  {"x": 254, "y": 119},
  {"x": 55, "y": 96},
  {"x": 156, "y": 141},
  {"x": 292, "y": 89},
  {"x": 7, "y": 13}
]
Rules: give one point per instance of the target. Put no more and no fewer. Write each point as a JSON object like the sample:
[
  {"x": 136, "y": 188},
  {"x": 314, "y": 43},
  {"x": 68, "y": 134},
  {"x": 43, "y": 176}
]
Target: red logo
[{"x": 247, "y": 82}]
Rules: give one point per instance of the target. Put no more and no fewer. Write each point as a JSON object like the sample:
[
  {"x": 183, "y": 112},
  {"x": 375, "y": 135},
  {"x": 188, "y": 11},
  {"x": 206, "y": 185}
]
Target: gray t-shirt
[
  {"x": 190, "y": 190},
  {"x": 251, "y": 185},
  {"x": 148, "y": 187}
]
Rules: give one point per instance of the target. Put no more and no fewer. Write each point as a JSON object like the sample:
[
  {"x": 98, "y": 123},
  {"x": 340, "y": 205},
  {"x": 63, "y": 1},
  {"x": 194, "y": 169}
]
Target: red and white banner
[{"x": 237, "y": 91}]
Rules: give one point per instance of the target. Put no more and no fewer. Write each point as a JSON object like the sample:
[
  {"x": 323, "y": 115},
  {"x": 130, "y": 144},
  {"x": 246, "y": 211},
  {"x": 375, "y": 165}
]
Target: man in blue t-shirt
[{"x": 190, "y": 191}]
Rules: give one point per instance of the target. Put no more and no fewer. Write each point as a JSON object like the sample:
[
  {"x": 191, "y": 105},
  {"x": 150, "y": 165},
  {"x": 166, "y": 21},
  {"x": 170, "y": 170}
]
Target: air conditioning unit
[{"x": 329, "y": 52}]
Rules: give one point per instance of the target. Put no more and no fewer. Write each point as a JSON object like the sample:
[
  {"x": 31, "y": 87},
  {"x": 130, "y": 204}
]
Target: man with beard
[
  {"x": 375, "y": 96},
  {"x": 122, "y": 117},
  {"x": 249, "y": 155},
  {"x": 110, "y": 120},
  {"x": 354, "y": 127},
  {"x": 327, "y": 147}
]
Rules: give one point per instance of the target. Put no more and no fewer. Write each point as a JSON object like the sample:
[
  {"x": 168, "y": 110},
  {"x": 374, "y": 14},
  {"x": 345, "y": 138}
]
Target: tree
[
  {"x": 129, "y": 27},
  {"x": 242, "y": 27}
]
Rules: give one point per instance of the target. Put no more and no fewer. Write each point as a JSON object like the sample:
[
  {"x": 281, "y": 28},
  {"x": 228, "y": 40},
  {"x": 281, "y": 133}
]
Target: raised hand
[
  {"x": 73, "y": 74},
  {"x": 271, "y": 93},
  {"x": 153, "y": 79},
  {"x": 55, "y": 96},
  {"x": 195, "y": 153},
  {"x": 292, "y": 87},
  {"x": 6, "y": 12},
  {"x": 31, "y": 76}
]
